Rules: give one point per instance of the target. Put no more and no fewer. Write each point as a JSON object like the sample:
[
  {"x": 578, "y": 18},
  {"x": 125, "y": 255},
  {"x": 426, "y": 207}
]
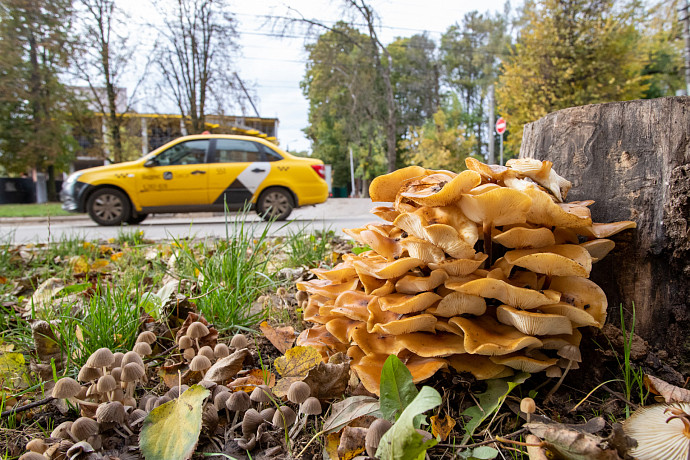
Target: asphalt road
[{"x": 335, "y": 215}]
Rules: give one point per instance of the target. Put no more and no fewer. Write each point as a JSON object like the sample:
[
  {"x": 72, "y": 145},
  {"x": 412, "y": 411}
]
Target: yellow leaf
[
  {"x": 196, "y": 272},
  {"x": 441, "y": 428},
  {"x": 105, "y": 249},
  {"x": 171, "y": 430},
  {"x": 331, "y": 447},
  {"x": 99, "y": 264},
  {"x": 13, "y": 371},
  {"x": 111, "y": 240},
  {"x": 78, "y": 264},
  {"x": 294, "y": 366},
  {"x": 115, "y": 256},
  {"x": 86, "y": 245}
]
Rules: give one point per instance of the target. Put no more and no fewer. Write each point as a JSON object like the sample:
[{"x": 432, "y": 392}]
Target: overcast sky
[{"x": 274, "y": 66}]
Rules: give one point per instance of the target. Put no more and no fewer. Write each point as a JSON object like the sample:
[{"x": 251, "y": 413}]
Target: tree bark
[{"x": 633, "y": 158}]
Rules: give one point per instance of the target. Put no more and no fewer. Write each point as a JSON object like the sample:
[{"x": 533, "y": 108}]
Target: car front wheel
[
  {"x": 274, "y": 203},
  {"x": 108, "y": 207}
]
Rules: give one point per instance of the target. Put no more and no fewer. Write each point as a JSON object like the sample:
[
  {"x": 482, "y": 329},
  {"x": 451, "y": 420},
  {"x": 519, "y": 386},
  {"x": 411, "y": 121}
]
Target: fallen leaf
[
  {"x": 351, "y": 442},
  {"x": 45, "y": 292},
  {"x": 12, "y": 372},
  {"x": 331, "y": 447},
  {"x": 116, "y": 256},
  {"x": 171, "y": 374},
  {"x": 294, "y": 366},
  {"x": 670, "y": 393},
  {"x": 3, "y": 280},
  {"x": 441, "y": 427},
  {"x": 570, "y": 444},
  {"x": 349, "y": 409},
  {"x": 282, "y": 337},
  {"x": 171, "y": 430},
  {"x": 253, "y": 379},
  {"x": 78, "y": 264},
  {"x": 181, "y": 303},
  {"x": 99, "y": 265},
  {"x": 328, "y": 380},
  {"x": 226, "y": 368}
]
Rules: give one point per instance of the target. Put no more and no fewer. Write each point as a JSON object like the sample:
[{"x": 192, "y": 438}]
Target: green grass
[
  {"x": 33, "y": 210},
  {"x": 307, "y": 249}
]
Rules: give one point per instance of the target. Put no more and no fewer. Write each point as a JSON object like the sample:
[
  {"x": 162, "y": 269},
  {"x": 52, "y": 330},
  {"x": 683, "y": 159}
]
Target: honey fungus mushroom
[{"x": 485, "y": 272}]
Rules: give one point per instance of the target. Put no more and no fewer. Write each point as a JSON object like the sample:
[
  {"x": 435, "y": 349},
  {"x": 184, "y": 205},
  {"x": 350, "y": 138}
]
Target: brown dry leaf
[
  {"x": 3, "y": 280},
  {"x": 295, "y": 365},
  {"x": 281, "y": 337},
  {"x": 328, "y": 380},
  {"x": 441, "y": 428},
  {"x": 331, "y": 447},
  {"x": 670, "y": 393},
  {"x": 169, "y": 374},
  {"x": 254, "y": 378},
  {"x": 45, "y": 292},
  {"x": 573, "y": 445},
  {"x": 351, "y": 442},
  {"x": 226, "y": 368},
  {"x": 182, "y": 302}
]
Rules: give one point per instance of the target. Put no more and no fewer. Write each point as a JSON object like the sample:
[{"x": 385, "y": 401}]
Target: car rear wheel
[
  {"x": 274, "y": 203},
  {"x": 108, "y": 207}
]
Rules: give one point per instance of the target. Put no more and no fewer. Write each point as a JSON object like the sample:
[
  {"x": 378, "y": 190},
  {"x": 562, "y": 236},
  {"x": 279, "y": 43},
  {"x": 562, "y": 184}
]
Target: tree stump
[{"x": 633, "y": 158}]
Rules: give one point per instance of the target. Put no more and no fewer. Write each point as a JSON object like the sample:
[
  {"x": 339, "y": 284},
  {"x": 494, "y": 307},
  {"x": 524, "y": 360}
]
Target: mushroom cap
[
  {"x": 268, "y": 413},
  {"x": 570, "y": 352},
  {"x": 89, "y": 374},
  {"x": 31, "y": 455},
  {"x": 452, "y": 216},
  {"x": 83, "y": 427},
  {"x": 457, "y": 303},
  {"x": 197, "y": 329},
  {"x": 489, "y": 173},
  {"x": 310, "y": 406},
  {"x": 383, "y": 245},
  {"x": 111, "y": 412},
  {"x": 481, "y": 367},
  {"x": 430, "y": 345},
  {"x": 368, "y": 368},
  {"x": 200, "y": 363},
  {"x": 505, "y": 292},
  {"x": 376, "y": 430},
  {"x": 261, "y": 394},
  {"x": 343, "y": 328},
  {"x": 238, "y": 401},
  {"x": 528, "y": 406},
  {"x": 599, "y": 248},
  {"x": 379, "y": 267},
  {"x": 147, "y": 336},
  {"x": 132, "y": 357},
  {"x": 444, "y": 236},
  {"x": 441, "y": 189},
  {"x": 341, "y": 273},
  {"x": 298, "y": 392},
  {"x": 319, "y": 338},
  {"x": 137, "y": 416},
  {"x": 189, "y": 354},
  {"x": 142, "y": 348},
  {"x": 328, "y": 288},
  {"x": 186, "y": 342},
  {"x": 501, "y": 206},
  {"x": 116, "y": 372},
  {"x": 599, "y": 230},
  {"x": 207, "y": 351},
  {"x": 532, "y": 323},
  {"x": 387, "y": 322},
  {"x": 221, "y": 351},
  {"x": 584, "y": 294},
  {"x": 485, "y": 336},
  {"x": 460, "y": 267},
  {"x": 542, "y": 173},
  {"x": 546, "y": 213},
  {"x": 376, "y": 343},
  {"x": 386, "y": 187},
  {"x": 553, "y": 371},
  {"x": 658, "y": 433},
  {"x": 106, "y": 383},
  {"x": 522, "y": 237},
  {"x": 387, "y": 213},
  {"x": 557, "y": 260},
  {"x": 353, "y": 305},
  {"x": 102, "y": 357},
  {"x": 221, "y": 399},
  {"x": 284, "y": 417},
  {"x": 407, "y": 303},
  {"x": 65, "y": 388},
  {"x": 411, "y": 284},
  {"x": 537, "y": 362},
  {"x": 62, "y": 430},
  {"x": 577, "y": 316},
  {"x": 118, "y": 355},
  {"x": 132, "y": 372},
  {"x": 37, "y": 445},
  {"x": 423, "y": 250},
  {"x": 250, "y": 422},
  {"x": 564, "y": 235}
]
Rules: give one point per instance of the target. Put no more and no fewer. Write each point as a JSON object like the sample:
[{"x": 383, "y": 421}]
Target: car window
[
  {"x": 272, "y": 155},
  {"x": 184, "y": 153},
  {"x": 237, "y": 151}
]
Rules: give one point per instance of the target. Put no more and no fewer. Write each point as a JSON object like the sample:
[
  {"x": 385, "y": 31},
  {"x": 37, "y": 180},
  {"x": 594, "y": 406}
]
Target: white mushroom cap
[{"x": 661, "y": 431}]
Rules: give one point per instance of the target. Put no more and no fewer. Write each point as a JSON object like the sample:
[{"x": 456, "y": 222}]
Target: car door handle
[
  {"x": 198, "y": 171},
  {"x": 258, "y": 170}
]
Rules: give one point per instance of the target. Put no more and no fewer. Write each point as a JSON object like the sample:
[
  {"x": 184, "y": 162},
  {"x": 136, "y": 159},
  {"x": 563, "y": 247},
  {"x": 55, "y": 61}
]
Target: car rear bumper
[{"x": 313, "y": 194}]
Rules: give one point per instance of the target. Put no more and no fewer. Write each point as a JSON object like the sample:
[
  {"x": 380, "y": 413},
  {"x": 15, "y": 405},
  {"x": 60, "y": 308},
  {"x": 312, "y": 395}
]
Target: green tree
[
  {"x": 569, "y": 53},
  {"x": 34, "y": 50}
]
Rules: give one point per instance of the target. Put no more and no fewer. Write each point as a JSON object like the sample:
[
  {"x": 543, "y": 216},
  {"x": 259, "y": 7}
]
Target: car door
[
  {"x": 236, "y": 171},
  {"x": 176, "y": 177}
]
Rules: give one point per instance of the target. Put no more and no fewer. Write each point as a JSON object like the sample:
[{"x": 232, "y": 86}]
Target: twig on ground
[
  {"x": 16, "y": 410},
  {"x": 488, "y": 441}
]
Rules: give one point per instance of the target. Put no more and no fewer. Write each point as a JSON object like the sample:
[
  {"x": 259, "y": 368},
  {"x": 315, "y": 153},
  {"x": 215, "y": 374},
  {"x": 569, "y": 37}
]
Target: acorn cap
[
  {"x": 207, "y": 351},
  {"x": 200, "y": 363},
  {"x": 89, "y": 374},
  {"x": 298, "y": 392},
  {"x": 132, "y": 357},
  {"x": 186, "y": 342},
  {"x": 147, "y": 336},
  {"x": 221, "y": 351},
  {"x": 238, "y": 401},
  {"x": 197, "y": 330},
  {"x": 239, "y": 341},
  {"x": 65, "y": 388},
  {"x": 261, "y": 394},
  {"x": 374, "y": 434},
  {"x": 102, "y": 357},
  {"x": 250, "y": 422},
  {"x": 142, "y": 348},
  {"x": 284, "y": 417},
  {"x": 111, "y": 412},
  {"x": 106, "y": 383},
  {"x": 132, "y": 372},
  {"x": 84, "y": 427},
  {"x": 310, "y": 406}
]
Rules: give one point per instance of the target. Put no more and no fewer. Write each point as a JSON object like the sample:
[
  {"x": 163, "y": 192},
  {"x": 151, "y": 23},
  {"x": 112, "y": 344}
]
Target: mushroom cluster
[{"x": 485, "y": 271}]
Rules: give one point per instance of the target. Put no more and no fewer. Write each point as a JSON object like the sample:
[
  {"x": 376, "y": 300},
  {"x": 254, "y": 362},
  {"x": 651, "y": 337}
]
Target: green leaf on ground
[
  {"x": 402, "y": 442},
  {"x": 396, "y": 389},
  {"x": 171, "y": 431}
]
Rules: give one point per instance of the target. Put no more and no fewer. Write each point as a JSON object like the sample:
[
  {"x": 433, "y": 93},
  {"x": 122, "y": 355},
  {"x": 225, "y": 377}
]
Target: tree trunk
[{"x": 633, "y": 158}]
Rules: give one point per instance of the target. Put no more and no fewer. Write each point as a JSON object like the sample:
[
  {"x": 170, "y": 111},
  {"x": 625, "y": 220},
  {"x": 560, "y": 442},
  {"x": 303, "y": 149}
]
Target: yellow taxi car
[{"x": 198, "y": 173}]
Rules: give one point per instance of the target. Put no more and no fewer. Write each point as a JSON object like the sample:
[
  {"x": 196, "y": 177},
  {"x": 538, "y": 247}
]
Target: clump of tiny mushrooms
[{"x": 485, "y": 271}]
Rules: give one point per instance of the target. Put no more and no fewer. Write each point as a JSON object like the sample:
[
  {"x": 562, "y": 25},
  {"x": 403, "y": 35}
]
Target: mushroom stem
[
  {"x": 298, "y": 426},
  {"x": 488, "y": 245},
  {"x": 234, "y": 423},
  {"x": 558, "y": 384},
  {"x": 197, "y": 344}
]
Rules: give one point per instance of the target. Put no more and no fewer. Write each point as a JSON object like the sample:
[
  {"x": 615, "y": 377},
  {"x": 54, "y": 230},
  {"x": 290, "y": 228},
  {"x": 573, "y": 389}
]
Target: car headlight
[{"x": 68, "y": 184}]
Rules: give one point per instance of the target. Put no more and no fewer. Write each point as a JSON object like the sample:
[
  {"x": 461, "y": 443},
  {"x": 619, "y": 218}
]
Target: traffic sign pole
[
  {"x": 501, "y": 163},
  {"x": 500, "y": 129}
]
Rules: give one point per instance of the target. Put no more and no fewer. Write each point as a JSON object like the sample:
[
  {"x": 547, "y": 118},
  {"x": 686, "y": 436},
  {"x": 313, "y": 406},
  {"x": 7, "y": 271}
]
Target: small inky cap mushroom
[
  {"x": 186, "y": 342},
  {"x": 528, "y": 406},
  {"x": 261, "y": 394},
  {"x": 481, "y": 367},
  {"x": 221, "y": 399},
  {"x": 32, "y": 456},
  {"x": 207, "y": 351},
  {"x": 132, "y": 357},
  {"x": 89, "y": 374},
  {"x": 200, "y": 363},
  {"x": 298, "y": 392},
  {"x": 662, "y": 431},
  {"x": 147, "y": 336},
  {"x": 111, "y": 412},
  {"x": 197, "y": 329},
  {"x": 132, "y": 372},
  {"x": 268, "y": 413},
  {"x": 250, "y": 422},
  {"x": 570, "y": 352},
  {"x": 84, "y": 427},
  {"x": 284, "y": 417},
  {"x": 310, "y": 406},
  {"x": 62, "y": 431},
  {"x": 238, "y": 401},
  {"x": 37, "y": 445},
  {"x": 102, "y": 357},
  {"x": 106, "y": 383},
  {"x": 189, "y": 354},
  {"x": 387, "y": 186},
  {"x": 142, "y": 348},
  {"x": 65, "y": 388},
  {"x": 532, "y": 323},
  {"x": 221, "y": 351},
  {"x": 374, "y": 434}
]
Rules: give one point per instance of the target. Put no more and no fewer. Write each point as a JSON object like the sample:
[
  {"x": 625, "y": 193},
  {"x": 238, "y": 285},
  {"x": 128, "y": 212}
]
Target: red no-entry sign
[{"x": 500, "y": 125}]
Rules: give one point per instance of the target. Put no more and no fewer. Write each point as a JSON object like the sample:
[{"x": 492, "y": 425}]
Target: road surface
[{"x": 335, "y": 215}]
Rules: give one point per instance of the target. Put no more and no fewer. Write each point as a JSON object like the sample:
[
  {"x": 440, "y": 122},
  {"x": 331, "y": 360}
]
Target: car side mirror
[{"x": 150, "y": 162}]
